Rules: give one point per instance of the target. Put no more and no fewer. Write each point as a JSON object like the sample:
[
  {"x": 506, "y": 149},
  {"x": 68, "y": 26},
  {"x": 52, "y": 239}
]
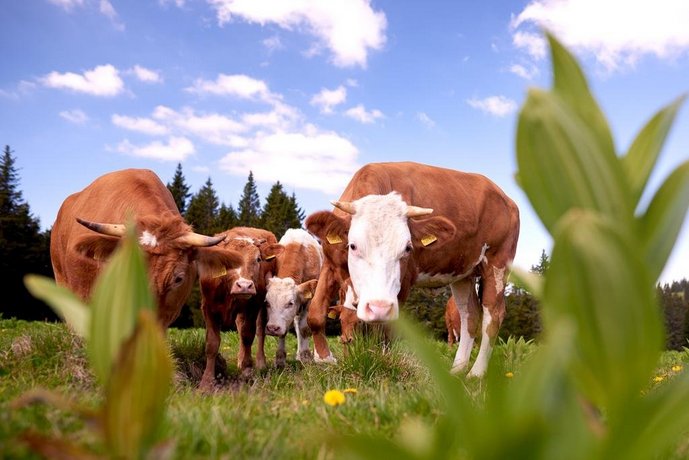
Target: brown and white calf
[
  {"x": 290, "y": 291},
  {"x": 236, "y": 297},
  {"x": 90, "y": 223},
  {"x": 408, "y": 223}
]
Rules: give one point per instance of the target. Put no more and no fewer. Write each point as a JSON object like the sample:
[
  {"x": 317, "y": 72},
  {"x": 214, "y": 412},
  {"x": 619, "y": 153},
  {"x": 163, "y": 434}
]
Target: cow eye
[
  {"x": 178, "y": 280},
  {"x": 352, "y": 246},
  {"x": 408, "y": 248},
  {"x": 258, "y": 259}
]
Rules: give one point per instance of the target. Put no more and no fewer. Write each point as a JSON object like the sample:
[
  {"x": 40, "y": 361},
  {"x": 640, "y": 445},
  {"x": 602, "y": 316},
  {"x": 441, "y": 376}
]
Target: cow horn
[
  {"x": 197, "y": 239},
  {"x": 346, "y": 206},
  {"x": 415, "y": 211},
  {"x": 105, "y": 229}
]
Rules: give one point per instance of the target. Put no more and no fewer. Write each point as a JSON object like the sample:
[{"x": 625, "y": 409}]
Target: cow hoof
[
  {"x": 458, "y": 370},
  {"x": 280, "y": 363},
  {"x": 330, "y": 359},
  {"x": 305, "y": 357}
]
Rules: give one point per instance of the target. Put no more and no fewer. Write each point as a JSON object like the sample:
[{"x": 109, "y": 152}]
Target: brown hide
[
  {"x": 221, "y": 309},
  {"x": 468, "y": 211},
  {"x": 78, "y": 254}
]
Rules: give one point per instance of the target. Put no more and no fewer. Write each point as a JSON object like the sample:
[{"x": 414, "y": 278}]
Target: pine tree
[
  {"x": 23, "y": 248},
  {"x": 543, "y": 263},
  {"x": 179, "y": 189},
  {"x": 202, "y": 212},
  {"x": 280, "y": 212},
  {"x": 227, "y": 218},
  {"x": 250, "y": 204}
]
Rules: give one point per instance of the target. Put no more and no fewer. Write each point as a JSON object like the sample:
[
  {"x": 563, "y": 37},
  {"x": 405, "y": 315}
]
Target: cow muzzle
[
  {"x": 243, "y": 287},
  {"x": 275, "y": 330},
  {"x": 377, "y": 311}
]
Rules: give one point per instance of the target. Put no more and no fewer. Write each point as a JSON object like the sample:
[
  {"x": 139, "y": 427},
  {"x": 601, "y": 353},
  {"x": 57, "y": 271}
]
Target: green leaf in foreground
[
  {"x": 67, "y": 305},
  {"x": 122, "y": 290}
]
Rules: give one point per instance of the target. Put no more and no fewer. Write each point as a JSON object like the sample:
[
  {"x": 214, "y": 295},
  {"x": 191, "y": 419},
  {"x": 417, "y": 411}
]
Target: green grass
[{"x": 275, "y": 414}]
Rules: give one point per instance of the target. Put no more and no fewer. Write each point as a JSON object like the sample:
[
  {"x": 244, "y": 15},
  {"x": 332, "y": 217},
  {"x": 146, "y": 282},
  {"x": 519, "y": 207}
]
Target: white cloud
[
  {"x": 141, "y": 125},
  {"x": 241, "y": 86},
  {"x": 352, "y": 82},
  {"x": 360, "y": 114},
  {"x": 498, "y": 106},
  {"x": 349, "y": 29},
  {"x": 67, "y": 5},
  {"x": 616, "y": 32},
  {"x": 327, "y": 98},
  {"x": 76, "y": 116},
  {"x": 425, "y": 119},
  {"x": 108, "y": 11},
  {"x": 308, "y": 158},
  {"x": 178, "y": 3},
  {"x": 176, "y": 149},
  {"x": 525, "y": 72},
  {"x": 103, "y": 80},
  {"x": 532, "y": 43},
  {"x": 273, "y": 43},
  {"x": 146, "y": 75}
]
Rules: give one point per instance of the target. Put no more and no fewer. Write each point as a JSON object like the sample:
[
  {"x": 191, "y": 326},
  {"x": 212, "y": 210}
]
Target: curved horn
[
  {"x": 105, "y": 229},
  {"x": 415, "y": 211},
  {"x": 345, "y": 206},
  {"x": 197, "y": 239}
]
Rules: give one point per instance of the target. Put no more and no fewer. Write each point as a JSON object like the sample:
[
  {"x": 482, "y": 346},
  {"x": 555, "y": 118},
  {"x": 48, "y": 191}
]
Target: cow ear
[
  {"x": 431, "y": 233},
  {"x": 328, "y": 227},
  {"x": 271, "y": 251},
  {"x": 214, "y": 263},
  {"x": 97, "y": 247},
  {"x": 306, "y": 290}
]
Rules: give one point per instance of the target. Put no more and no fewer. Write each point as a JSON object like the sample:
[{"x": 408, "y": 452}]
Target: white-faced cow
[
  {"x": 406, "y": 223},
  {"x": 290, "y": 291},
  {"x": 90, "y": 223},
  {"x": 236, "y": 297}
]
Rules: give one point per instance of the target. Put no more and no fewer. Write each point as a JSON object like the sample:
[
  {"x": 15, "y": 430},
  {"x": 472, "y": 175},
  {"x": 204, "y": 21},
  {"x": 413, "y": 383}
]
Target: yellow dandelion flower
[
  {"x": 334, "y": 397},
  {"x": 658, "y": 378},
  {"x": 305, "y": 402},
  {"x": 509, "y": 375},
  {"x": 350, "y": 390},
  {"x": 676, "y": 368}
]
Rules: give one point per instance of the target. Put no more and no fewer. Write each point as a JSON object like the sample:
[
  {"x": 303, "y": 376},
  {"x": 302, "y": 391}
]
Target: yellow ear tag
[
  {"x": 308, "y": 295},
  {"x": 219, "y": 273},
  {"x": 270, "y": 257},
  {"x": 333, "y": 238},
  {"x": 332, "y": 314},
  {"x": 428, "y": 239}
]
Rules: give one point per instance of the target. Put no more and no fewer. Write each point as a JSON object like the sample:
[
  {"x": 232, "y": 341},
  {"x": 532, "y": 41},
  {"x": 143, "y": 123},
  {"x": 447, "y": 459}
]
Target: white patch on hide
[
  {"x": 304, "y": 238},
  {"x": 482, "y": 257},
  {"x": 499, "y": 274},
  {"x": 148, "y": 239}
]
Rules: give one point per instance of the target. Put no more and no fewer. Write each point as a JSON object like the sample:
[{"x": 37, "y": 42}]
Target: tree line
[{"x": 24, "y": 248}]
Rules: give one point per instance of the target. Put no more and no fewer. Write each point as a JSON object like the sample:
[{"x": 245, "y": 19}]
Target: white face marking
[
  {"x": 282, "y": 300},
  {"x": 378, "y": 236},
  {"x": 148, "y": 239}
]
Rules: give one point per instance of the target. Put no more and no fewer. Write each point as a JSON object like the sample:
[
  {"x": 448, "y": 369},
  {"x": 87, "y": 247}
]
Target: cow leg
[
  {"x": 318, "y": 309},
  {"x": 493, "y": 313},
  {"x": 464, "y": 293},
  {"x": 301, "y": 327},
  {"x": 280, "y": 353},
  {"x": 261, "y": 338},
  {"x": 246, "y": 327},
  {"x": 212, "y": 347}
]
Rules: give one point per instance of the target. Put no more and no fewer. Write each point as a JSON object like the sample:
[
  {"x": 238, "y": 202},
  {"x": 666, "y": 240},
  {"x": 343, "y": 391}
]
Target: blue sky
[{"x": 307, "y": 91}]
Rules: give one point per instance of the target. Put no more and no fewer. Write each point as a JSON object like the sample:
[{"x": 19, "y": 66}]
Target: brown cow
[
  {"x": 470, "y": 230},
  {"x": 173, "y": 251},
  {"x": 290, "y": 291},
  {"x": 237, "y": 297}
]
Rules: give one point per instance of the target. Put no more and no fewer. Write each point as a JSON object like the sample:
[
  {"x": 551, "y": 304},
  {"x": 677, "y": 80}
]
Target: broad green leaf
[
  {"x": 562, "y": 164},
  {"x": 569, "y": 83},
  {"x": 598, "y": 278},
  {"x": 122, "y": 290},
  {"x": 136, "y": 392},
  {"x": 664, "y": 217},
  {"x": 644, "y": 151},
  {"x": 63, "y": 302}
]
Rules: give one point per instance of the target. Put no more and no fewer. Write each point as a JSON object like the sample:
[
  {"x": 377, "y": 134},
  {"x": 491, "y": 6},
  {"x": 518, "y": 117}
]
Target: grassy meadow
[{"x": 279, "y": 413}]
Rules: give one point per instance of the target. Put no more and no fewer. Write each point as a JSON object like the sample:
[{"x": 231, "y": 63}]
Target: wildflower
[
  {"x": 676, "y": 368},
  {"x": 658, "y": 378},
  {"x": 334, "y": 397},
  {"x": 350, "y": 390},
  {"x": 509, "y": 375},
  {"x": 305, "y": 402}
]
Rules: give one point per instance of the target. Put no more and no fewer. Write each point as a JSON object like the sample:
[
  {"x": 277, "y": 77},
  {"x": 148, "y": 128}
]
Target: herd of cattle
[{"x": 394, "y": 226}]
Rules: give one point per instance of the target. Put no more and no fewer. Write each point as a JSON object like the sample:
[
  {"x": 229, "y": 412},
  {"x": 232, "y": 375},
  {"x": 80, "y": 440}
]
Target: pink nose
[
  {"x": 378, "y": 310},
  {"x": 243, "y": 286},
  {"x": 273, "y": 329}
]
